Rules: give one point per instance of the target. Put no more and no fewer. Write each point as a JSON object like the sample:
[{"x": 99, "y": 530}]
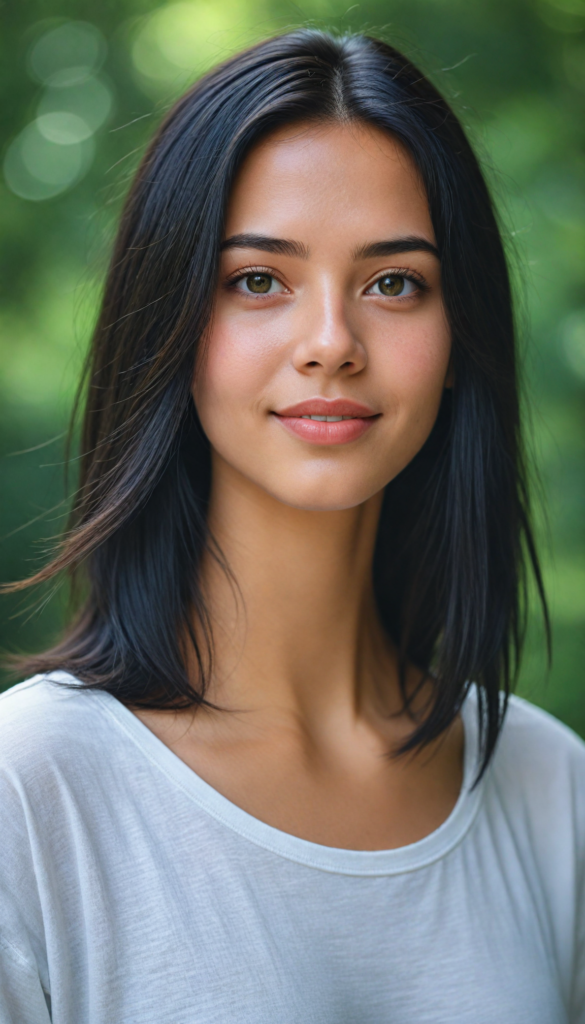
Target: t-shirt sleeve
[
  {"x": 22, "y": 1000},
  {"x": 577, "y": 1015},
  {"x": 576, "y": 811},
  {"x": 22, "y": 993},
  {"x": 546, "y": 762}
]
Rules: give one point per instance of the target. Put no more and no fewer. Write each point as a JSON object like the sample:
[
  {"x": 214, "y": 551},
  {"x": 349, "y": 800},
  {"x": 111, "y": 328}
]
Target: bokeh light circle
[
  {"x": 91, "y": 100},
  {"x": 75, "y": 44},
  {"x": 64, "y": 128},
  {"x": 37, "y": 168}
]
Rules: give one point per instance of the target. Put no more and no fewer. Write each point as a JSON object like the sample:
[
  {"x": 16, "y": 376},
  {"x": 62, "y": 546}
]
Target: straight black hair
[{"x": 454, "y": 541}]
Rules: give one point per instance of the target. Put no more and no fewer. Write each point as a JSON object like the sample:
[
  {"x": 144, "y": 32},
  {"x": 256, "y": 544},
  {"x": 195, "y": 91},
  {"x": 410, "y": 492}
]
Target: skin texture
[{"x": 302, "y": 664}]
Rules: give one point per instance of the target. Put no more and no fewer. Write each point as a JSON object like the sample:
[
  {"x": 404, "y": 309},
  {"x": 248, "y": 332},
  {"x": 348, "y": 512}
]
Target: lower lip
[{"x": 321, "y": 432}]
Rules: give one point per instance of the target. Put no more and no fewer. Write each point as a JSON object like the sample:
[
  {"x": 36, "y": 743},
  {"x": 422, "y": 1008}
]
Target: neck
[{"x": 295, "y": 627}]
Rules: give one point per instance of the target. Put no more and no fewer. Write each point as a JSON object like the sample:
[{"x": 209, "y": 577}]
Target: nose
[{"x": 328, "y": 345}]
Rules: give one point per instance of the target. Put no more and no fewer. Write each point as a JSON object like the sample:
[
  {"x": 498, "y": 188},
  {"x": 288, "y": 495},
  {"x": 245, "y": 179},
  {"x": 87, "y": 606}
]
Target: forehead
[{"x": 349, "y": 179}]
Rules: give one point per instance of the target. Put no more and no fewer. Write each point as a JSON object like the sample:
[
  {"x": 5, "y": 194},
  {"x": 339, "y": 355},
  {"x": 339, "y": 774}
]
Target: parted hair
[{"x": 454, "y": 544}]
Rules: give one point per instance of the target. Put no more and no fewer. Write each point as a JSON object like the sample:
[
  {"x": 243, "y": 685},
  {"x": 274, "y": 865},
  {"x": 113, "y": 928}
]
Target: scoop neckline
[{"x": 434, "y": 846}]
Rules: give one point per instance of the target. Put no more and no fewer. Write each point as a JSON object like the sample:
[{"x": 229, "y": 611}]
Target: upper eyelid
[
  {"x": 409, "y": 274},
  {"x": 237, "y": 275}
]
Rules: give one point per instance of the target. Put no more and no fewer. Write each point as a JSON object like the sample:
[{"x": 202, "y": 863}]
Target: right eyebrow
[{"x": 280, "y": 246}]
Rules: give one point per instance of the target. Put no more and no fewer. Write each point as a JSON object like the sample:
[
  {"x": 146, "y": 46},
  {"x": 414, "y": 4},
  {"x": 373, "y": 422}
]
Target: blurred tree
[{"x": 83, "y": 85}]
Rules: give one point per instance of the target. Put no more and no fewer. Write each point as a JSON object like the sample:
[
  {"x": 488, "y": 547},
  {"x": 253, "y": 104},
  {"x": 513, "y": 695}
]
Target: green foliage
[{"x": 83, "y": 85}]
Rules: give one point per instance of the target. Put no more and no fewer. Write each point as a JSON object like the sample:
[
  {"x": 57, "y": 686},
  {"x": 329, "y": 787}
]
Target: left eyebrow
[{"x": 393, "y": 246}]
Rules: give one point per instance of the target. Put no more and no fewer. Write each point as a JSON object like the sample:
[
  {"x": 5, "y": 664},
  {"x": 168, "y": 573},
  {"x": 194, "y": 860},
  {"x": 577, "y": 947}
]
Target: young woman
[{"x": 270, "y": 773}]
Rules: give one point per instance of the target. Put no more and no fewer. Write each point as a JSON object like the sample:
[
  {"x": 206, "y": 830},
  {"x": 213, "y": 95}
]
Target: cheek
[
  {"x": 414, "y": 368},
  {"x": 232, "y": 373},
  {"x": 411, "y": 371}
]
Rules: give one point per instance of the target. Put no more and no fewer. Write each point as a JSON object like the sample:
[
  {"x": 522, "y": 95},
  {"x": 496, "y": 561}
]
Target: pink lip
[{"x": 319, "y": 432}]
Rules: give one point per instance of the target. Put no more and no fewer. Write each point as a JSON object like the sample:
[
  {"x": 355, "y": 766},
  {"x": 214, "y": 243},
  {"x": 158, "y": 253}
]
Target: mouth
[{"x": 327, "y": 421}]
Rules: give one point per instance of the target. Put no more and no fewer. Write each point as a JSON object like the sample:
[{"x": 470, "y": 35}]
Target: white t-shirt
[{"x": 131, "y": 892}]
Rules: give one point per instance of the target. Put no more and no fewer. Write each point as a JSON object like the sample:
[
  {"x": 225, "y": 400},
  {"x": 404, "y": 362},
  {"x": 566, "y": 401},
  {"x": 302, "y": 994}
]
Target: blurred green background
[{"x": 83, "y": 85}]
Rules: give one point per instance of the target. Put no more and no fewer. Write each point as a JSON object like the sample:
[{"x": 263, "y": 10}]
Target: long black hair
[{"x": 454, "y": 539}]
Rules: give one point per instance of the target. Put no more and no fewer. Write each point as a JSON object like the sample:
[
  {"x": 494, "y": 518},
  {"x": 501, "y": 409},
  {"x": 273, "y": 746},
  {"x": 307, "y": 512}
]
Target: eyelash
[
  {"x": 240, "y": 275},
  {"x": 408, "y": 275}
]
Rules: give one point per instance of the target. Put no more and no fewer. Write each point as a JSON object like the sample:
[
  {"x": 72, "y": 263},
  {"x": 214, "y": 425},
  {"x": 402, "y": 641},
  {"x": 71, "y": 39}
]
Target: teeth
[{"x": 327, "y": 419}]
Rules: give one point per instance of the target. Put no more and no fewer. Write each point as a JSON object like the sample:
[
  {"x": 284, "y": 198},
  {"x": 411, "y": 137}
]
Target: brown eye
[
  {"x": 258, "y": 283},
  {"x": 391, "y": 284}
]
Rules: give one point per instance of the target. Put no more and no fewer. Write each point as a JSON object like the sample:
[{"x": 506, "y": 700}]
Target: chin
[{"x": 323, "y": 495}]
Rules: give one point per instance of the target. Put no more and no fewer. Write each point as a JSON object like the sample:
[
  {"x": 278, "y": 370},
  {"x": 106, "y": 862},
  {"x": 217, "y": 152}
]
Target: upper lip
[{"x": 327, "y": 407}]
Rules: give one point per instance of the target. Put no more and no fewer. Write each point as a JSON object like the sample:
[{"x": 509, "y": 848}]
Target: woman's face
[{"x": 328, "y": 305}]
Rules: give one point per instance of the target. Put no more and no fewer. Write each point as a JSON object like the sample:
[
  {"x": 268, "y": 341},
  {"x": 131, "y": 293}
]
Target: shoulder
[
  {"x": 47, "y": 718},
  {"x": 43, "y": 698},
  {"x": 532, "y": 740},
  {"x": 53, "y": 737},
  {"x": 538, "y": 777}
]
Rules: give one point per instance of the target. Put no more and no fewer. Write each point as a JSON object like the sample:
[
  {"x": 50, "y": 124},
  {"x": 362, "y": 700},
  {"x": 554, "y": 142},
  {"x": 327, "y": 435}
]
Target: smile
[
  {"x": 324, "y": 421},
  {"x": 327, "y": 419}
]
